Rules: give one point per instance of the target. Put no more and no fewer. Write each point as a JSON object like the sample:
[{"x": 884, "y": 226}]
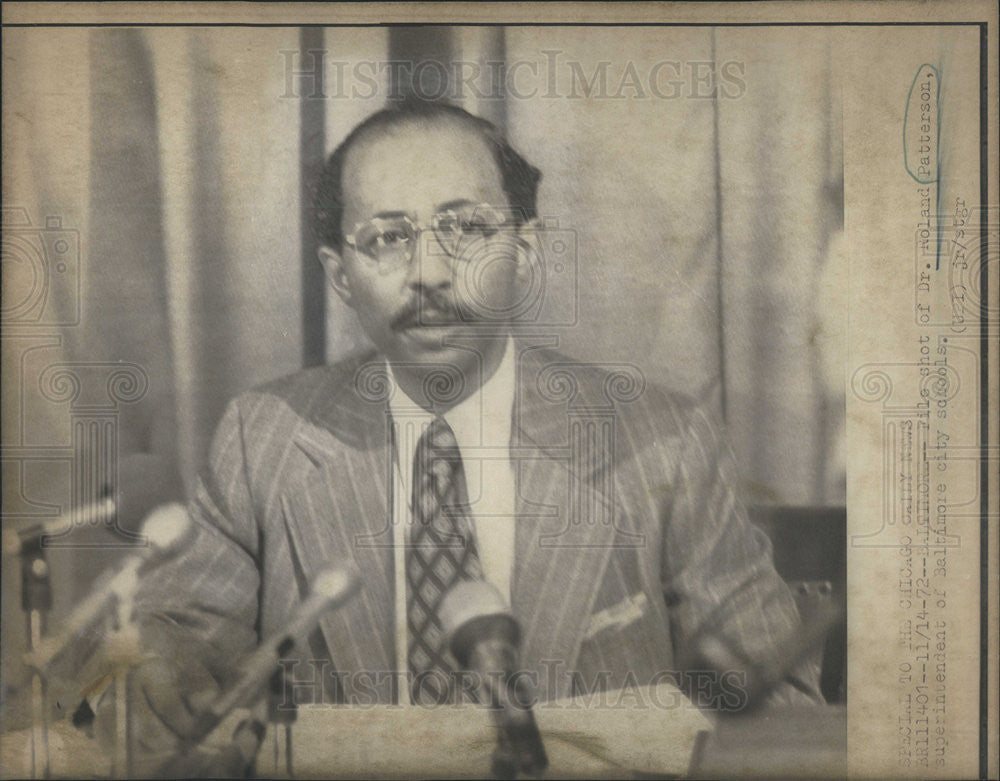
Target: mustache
[{"x": 430, "y": 307}]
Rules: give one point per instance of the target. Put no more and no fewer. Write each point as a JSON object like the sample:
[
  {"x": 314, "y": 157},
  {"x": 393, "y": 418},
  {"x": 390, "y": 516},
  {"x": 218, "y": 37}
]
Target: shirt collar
[{"x": 481, "y": 420}]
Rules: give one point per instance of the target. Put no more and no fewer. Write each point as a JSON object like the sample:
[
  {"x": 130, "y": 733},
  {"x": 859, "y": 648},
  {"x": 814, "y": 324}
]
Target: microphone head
[
  {"x": 474, "y": 611},
  {"x": 469, "y": 599},
  {"x": 20, "y": 536},
  {"x": 11, "y": 542},
  {"x": 168, "y": 529},
  {"x": 336, "y": 583}
]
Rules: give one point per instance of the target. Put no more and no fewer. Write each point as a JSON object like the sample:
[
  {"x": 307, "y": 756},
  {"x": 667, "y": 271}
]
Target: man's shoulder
[
  {"x": 352, "y": 391},
  {"x": 339, "y": 375},
  {"x": 619, "y": 388},
  {"x": 340, "y": 390}
]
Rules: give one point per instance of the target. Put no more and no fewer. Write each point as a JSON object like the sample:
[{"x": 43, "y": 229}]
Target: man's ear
[
  {"x": 529, "y": 256},
  {"x": 333, "y": 265}
]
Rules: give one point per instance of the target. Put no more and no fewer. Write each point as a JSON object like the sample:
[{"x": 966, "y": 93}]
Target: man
[{"x": 463, "y": 447}]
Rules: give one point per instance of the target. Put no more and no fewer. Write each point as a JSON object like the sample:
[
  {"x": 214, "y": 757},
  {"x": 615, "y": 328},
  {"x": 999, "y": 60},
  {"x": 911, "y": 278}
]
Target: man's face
[{"x": 438, "y": 308}]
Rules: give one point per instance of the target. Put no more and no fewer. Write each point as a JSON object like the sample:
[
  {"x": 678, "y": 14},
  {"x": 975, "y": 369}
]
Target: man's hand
[
  {"x": 166, "y": 701},
  {"x": 229, "y": 762}
]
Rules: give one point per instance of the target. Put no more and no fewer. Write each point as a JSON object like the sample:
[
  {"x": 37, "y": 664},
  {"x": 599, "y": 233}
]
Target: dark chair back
[{"x": 810, "y": 553}]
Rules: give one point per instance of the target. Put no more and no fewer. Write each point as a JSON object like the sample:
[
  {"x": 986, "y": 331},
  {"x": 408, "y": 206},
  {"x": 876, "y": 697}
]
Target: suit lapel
[
  {"x": 564, "y": 535},
  {"x": 565, "y": 528},
  {"x": 340, "y": 513}
]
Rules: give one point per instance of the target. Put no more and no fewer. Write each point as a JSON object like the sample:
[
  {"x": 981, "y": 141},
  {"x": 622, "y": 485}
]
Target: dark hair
[{"x": 518, "y": 177}]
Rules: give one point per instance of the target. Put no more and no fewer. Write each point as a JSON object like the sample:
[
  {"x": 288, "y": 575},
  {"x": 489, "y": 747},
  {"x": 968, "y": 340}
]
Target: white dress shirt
[{"x": 481, "y": 424}]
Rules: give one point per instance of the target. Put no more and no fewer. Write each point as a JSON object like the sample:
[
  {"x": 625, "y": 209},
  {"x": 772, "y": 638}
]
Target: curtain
[
  {"x": 703, "y": 224},
  {"x": 780, "y": 153}
]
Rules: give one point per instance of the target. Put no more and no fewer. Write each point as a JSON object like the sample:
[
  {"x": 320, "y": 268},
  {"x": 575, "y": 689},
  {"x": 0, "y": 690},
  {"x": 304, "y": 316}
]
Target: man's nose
[{"x": 430, "y": 266}]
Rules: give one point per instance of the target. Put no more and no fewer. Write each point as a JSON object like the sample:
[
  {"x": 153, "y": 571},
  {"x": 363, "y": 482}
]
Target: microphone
[
  {"x": 484, "y": 637},
  {"x": 93, "y": 513},
  {"x": 330, "y": 590},
  {"x": 167, "y": 530},
  {"x": 144, "y": 482}
]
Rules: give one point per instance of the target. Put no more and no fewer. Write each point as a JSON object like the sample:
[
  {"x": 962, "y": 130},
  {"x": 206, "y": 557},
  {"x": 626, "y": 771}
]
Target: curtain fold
[
  {"x": 781, "y": 182},
  {"x": 704, "y": 223},
  {"x": 632, "y": 178},
  {"x": 228, "y": 142},
  {"x": 48, "y": 298},
  {"x": 357, "y": 86}
]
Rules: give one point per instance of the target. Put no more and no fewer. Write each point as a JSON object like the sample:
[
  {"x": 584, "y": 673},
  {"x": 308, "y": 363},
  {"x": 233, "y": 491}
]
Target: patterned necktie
[{"x": 442, "y": 551}]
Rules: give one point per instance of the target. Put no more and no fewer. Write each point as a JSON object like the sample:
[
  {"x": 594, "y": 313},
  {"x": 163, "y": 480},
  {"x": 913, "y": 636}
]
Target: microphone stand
[
  {"x": 280, "y": 712},
  {"x": 484, "y": 638},
  {"x": 42, "y": 655},
  {"x": 122, "y": 616},
  {"x": 247, "y": 737},
  {"x": 110, "y": 606},
  {"x": 36, "y": 602},
  {"x": 519, "y": 747},
  {"x": 261, "y": 673}
]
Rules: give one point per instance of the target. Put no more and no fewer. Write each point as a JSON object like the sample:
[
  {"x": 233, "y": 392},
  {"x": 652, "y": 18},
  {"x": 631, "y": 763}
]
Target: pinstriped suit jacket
[{"x": 628, "y": 536}]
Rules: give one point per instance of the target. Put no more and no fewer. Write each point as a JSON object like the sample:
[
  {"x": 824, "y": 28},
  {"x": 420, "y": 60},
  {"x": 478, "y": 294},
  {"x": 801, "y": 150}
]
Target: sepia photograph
[{"x": 430, "y": 390}]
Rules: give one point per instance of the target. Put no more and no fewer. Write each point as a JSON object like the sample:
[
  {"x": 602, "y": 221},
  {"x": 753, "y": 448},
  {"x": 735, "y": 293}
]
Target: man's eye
[
  {"x": 478, "y": 226},
  {"x": 392, "y": 238},
  {"x": 379, "y": 242}
]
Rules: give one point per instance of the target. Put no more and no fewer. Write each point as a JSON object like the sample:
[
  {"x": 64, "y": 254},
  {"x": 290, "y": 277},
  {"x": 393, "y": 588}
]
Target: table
[{"x": 800, "y": 742}]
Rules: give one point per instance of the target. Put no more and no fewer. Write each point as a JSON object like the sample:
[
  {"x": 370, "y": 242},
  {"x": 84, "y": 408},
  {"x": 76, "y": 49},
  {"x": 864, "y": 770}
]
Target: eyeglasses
[{"x": 390, "y": 241}]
